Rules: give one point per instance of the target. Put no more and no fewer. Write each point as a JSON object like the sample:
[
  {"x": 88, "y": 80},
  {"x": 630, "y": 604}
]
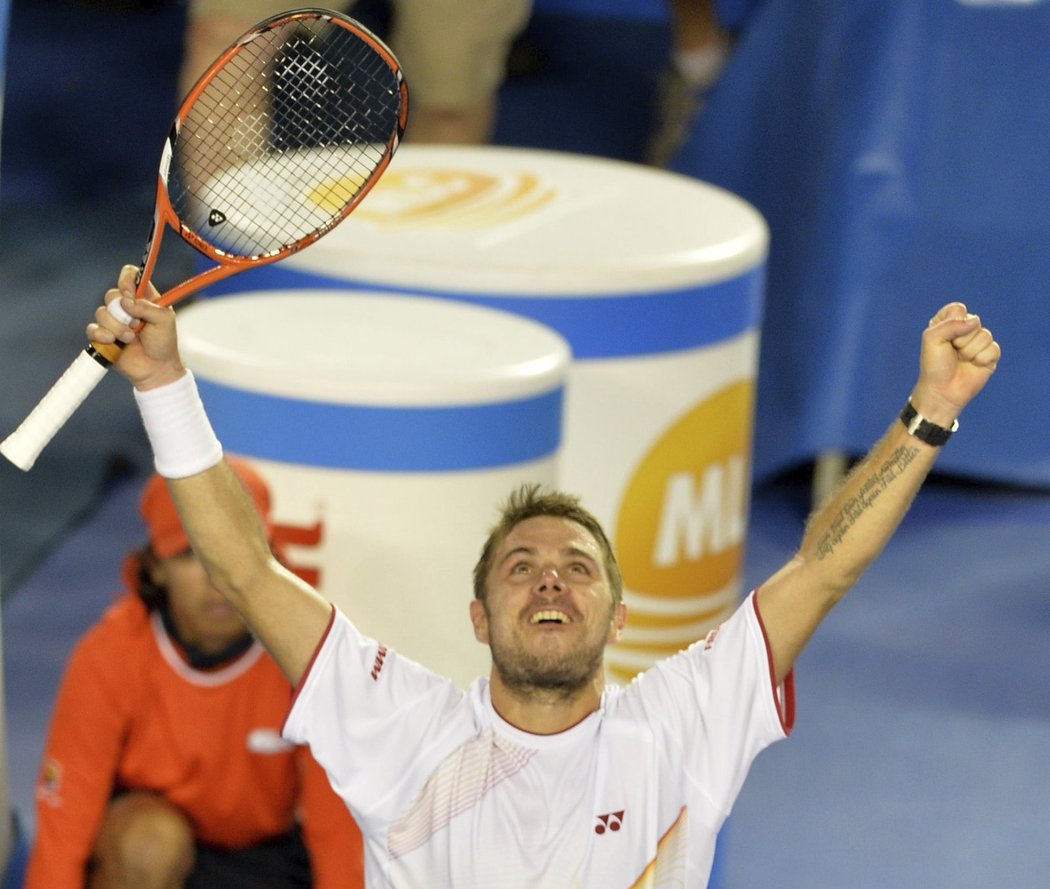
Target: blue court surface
[{"x": 919, "y": 757}]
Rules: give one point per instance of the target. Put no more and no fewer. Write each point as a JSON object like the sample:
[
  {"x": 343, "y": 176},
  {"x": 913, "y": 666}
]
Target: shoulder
[
  {"x": 383, "y": 686},
  {"x": 108, "y": 669},
  {"x": 126, "y": 615},
  {"x": 735, "y": 641},
  {"x": 123, "y": 624}
]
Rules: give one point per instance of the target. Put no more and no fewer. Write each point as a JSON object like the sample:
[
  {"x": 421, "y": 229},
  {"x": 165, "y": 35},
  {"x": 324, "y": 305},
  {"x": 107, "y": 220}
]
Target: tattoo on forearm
[{"x": 869, "y": 492}]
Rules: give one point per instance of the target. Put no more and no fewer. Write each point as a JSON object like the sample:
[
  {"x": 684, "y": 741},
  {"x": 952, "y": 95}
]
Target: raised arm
[
  {"x": 851, "y": 528},
  {"x": 286, "y": 615}
]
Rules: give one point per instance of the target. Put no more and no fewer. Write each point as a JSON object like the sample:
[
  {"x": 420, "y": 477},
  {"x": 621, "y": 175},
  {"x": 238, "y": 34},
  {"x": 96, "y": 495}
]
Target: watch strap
[{"x": 923, "y": 429}]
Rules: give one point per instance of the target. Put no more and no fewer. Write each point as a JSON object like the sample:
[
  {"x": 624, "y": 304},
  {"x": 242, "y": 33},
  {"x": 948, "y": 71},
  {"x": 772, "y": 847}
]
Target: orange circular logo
[{"x": 680, "y": 529}]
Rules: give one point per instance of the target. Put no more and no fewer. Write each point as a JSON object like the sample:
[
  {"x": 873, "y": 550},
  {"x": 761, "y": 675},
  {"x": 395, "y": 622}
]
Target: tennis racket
[{"x": 275, "y": 144}]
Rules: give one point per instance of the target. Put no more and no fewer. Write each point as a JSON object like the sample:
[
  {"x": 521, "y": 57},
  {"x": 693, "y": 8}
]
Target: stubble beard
[{"x": 561, "y": 675}]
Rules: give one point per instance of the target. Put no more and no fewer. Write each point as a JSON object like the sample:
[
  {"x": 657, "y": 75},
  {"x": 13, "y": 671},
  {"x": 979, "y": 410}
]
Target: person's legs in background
[
  {"x": 211, "y": 26},
  {"x": 700, "y": 46},
  {"x": 453, "y": 52},
  {"x": 144, "y": 842}
]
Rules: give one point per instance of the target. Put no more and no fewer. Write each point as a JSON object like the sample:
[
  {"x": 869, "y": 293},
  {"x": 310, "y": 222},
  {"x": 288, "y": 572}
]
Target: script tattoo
[{"x": 869, "y": 492}]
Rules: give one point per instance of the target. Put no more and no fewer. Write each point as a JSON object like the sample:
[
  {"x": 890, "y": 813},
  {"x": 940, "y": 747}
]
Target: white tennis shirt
[{"x": 448, "y": 794}]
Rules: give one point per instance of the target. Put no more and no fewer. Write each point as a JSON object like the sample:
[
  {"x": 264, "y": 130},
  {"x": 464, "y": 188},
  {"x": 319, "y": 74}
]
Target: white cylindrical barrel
[
  {"x": 390, "y": 429},
  {"x": 656, "y": 280}
]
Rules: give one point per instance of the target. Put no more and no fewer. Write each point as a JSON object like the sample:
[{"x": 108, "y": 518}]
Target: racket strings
[{"x": 283, "y": 139}]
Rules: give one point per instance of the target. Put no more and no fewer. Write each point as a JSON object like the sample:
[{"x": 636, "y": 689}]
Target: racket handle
[{"x": 24, "y": 445}]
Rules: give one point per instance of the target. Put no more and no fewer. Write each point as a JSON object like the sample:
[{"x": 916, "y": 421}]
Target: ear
[
  {"x": 155, "y": 570},
  {"x": 619, "y": 619},
  {"x": 480, "y": 619}
]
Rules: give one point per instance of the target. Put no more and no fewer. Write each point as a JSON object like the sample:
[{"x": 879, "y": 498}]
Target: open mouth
[{"x": 549, "y": 617}]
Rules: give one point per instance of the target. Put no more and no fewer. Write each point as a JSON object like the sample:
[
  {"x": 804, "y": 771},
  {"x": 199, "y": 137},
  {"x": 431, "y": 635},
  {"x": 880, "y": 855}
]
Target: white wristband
[{"x": 178, "y": 428}]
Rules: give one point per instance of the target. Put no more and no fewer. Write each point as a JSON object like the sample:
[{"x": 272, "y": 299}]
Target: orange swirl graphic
[{"x": 451, "y": 198}]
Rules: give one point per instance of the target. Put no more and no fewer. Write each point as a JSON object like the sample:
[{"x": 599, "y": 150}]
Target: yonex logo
[
  {"x": 610, "y": 821},
  {"x": 378, "y": 665},
  {"x": 709, "y": 639},
  {"x": 216, "y": 217}
]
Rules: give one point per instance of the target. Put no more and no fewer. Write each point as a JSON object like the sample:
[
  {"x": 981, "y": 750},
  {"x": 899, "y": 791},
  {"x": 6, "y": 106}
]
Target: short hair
[{"x": 529, "y": 501}]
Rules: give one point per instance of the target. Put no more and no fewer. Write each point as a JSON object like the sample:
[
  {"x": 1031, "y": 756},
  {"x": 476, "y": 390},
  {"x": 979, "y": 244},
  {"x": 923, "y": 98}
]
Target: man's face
[
  {"x": 548, "y": 612},
  {"x": 201, "y": 615}
]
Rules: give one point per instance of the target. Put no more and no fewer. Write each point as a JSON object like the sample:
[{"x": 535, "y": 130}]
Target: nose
[{"x": 548, "y": 580}]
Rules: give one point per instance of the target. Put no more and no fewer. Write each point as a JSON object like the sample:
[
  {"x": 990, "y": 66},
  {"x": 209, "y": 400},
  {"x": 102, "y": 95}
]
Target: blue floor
[{"x": 919, "y": 756}]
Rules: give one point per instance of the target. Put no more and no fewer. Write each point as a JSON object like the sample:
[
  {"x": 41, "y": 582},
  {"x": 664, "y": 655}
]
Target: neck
[
  {"x": 543, "y": 711},
  {"x": 209, "y": 656}
]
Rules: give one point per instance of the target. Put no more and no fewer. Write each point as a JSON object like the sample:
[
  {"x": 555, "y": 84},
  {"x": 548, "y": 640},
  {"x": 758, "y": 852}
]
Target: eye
[
  {"x": 579, "y": 568},
  {"x": 520, "y": 568}
]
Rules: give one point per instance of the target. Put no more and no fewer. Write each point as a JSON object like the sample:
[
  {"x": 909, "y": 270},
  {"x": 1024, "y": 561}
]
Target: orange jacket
[{"x": 131, "y": 714}]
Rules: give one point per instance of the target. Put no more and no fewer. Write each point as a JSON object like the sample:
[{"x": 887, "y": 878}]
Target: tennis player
[{"x": 541, "y": 774}]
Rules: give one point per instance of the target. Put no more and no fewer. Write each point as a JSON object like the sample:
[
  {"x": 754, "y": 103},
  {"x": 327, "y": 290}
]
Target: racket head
[{"x": 278, "y": 141}]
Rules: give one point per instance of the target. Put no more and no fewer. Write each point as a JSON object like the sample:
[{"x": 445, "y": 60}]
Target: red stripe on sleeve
[{"x": 784, "y": 694}]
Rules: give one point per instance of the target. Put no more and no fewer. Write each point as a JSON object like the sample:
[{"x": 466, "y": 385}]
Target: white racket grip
[{"x": 24, "y": 445}]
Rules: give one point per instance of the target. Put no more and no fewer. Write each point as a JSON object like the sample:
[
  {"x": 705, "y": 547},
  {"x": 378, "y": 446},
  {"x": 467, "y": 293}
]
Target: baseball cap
[{"x": 166, "y": 536}]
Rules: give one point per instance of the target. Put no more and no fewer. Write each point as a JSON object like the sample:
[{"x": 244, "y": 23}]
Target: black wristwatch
[{"x": 923, "y": 429}]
